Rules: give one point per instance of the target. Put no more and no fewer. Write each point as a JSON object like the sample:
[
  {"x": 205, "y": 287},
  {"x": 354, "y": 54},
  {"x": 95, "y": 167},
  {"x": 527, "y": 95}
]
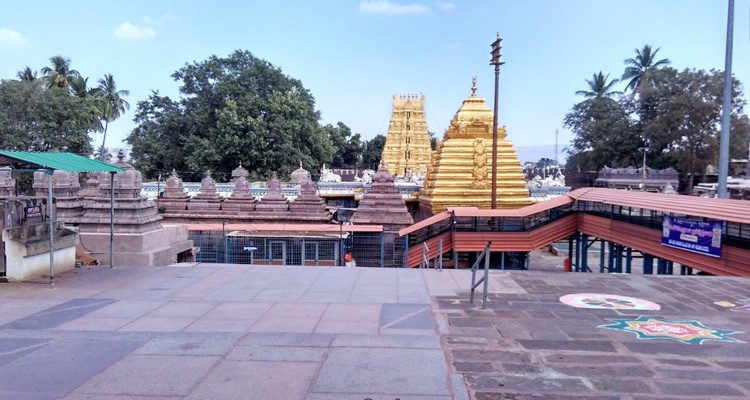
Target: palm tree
[
  {"x": 640, "y": 70},
  {"x": 26, "y": 74},
  {"x": 60, "y": 74},
  {"x": 111, "y": 102},
  {"x": 79, "y": 88},
  {"x": 599, "y": 87}
]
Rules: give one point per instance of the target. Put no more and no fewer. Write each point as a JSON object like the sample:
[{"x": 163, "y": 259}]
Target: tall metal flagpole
[
  {"x": 51, "y": 230},
  {"x": 726, "y": 108},
  {"x": 495, "y": 60}
]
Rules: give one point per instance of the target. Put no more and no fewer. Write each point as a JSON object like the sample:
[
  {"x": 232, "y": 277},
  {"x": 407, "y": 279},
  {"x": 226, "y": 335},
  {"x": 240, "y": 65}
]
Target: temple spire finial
[
  {"x": 474, "y": 85},
  {"x": 300, "y": 164},
  {"x": 498, "y": 35}
]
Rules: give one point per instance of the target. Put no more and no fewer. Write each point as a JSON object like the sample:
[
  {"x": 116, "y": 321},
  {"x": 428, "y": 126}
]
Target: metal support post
[
  {"x": 570, "y": 248},
  {"x": 51, "y": 230},
  {"x": 502, "y": 260},
  {"x": 486, "y": 276},
  {"x": 578, "y": 252},
  {"x": 628, "y": 259},
  {"x": 618, "y": 260},
  {"x": 440, "y": 254},
  {"x": 585, "y": 255},
  {"x": 382, "y": 249},
  {"x": 112, "y": 219},
  {"x": 406, "y": 251},
  {"x": 455, "y": 259},
  {"x": 670, "y": 266},
  {"x": 726, "y": 108},
  {"x": 648, "y": 264},
  {"x": 528, "y": 260},
  {"x": 683, "y": 270},
  {"x": 611, "y": 261},
  {"x": 302, "y": 251},
  {"x": 601, "y": 255}
]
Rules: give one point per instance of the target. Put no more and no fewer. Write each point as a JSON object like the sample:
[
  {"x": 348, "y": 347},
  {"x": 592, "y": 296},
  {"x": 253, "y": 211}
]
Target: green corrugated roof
[{"x": 59, "y": 161}]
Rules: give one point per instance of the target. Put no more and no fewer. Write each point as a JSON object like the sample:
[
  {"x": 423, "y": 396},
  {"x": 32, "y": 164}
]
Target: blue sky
[{"x": 354, "y": 55}]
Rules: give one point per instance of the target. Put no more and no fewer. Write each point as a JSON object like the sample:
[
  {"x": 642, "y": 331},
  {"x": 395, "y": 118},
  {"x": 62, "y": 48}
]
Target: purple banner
[{"x": 703, "y": 237}]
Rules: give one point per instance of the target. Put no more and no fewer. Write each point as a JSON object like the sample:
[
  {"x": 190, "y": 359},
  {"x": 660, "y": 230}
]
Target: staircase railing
[
  {"x": 425, "y": 260},
  {"x": 485, "y": 255}
]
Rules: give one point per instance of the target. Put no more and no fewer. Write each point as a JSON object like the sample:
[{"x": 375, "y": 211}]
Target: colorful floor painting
[
  {"x": 607, "y": 301},
  {"x": 691, "y": 332}
]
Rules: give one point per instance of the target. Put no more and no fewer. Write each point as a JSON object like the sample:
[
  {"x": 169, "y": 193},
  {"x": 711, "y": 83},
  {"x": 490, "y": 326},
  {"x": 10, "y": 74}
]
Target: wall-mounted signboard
[{"x": 703, "y": 237}]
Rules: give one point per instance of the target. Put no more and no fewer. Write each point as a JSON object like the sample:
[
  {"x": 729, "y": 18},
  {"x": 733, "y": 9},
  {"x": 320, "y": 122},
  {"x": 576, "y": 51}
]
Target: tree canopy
[
  {"x": 676, "y": 114},
  {"x": 56, "y": 111},
  {"x": 236, "y": 109}
]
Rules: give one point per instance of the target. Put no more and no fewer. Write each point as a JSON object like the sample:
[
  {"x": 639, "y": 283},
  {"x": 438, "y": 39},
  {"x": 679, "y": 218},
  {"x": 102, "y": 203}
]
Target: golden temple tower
[
  {"x": 461, "y": 171},
  {"x": 407, "y": 146}
]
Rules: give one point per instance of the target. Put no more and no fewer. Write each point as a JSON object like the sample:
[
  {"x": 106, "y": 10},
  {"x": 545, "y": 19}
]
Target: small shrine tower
[{"x": 407, "y": 146}]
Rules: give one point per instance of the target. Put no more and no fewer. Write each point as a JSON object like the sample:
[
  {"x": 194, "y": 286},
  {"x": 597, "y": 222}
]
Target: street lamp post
[
  {"x": 495, "y": 60},
  {"x": 726, "y": 107}
]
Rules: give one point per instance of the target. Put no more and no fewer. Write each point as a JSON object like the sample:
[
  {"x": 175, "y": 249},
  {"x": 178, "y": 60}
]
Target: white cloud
[
  {"x": 386, "y": 7},
  {"x": 12, "y": 38},
  {"x": 129, "y": 31},
  {"x": 446, "y": 6}
]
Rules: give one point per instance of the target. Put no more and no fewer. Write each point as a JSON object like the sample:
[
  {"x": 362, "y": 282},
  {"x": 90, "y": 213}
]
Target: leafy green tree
[
  {"x": 604, "y": 135},
  {"x": 60, "y": 73},
  {"x": 110, "y": 103},
  {"x": 373, "y": 152},
  {"x": 234, "y": 109},
  {"x": 27, "y": 74},
  {"x": 348, "y": 146},
  {"x": 640, "y": 69},
  {"x": 684, "y": 130},
  {"x": 34, "y": 119},
  {"x": 599, "y": 87}
]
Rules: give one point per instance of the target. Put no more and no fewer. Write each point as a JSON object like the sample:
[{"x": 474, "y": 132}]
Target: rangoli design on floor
[
  {"x": 743, "y": 308},
  {"x": 607, "y": 301},
  {"x": 691, "y": 332}
]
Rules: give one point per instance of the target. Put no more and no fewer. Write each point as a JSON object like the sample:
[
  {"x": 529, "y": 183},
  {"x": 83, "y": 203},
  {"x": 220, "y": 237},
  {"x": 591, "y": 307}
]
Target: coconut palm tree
[
  {"x": 60, "y": 74},
  {"x": 111, "y": 103},
  {"x": 79, "y": 88},
  {"x": 26, "y": 74},
  {"x": 640, "y": 70},
  {"x": 599, "y": 87}
]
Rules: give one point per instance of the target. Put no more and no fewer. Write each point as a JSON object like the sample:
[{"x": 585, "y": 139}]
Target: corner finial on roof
[{"x": 474, "y": 85}]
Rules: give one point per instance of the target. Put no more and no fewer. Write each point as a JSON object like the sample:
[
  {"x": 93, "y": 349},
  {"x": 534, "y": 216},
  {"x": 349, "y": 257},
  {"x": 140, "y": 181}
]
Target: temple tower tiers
[
  {"x": 461, "y": 171},
  {"x": 139, "y": 237},
  {"x": 65, "y": 189},
  {"x": 299, "y": 175},
  {"x": 7, "y": 183},
  {"x": 208, "y": 200},
  {"x": 273, "y": 201},
  {"x": 382, "y": 204},
  {"x": 239, "y": 172},
  {"x": 407, "y": 146},
  {"x": 241, "y": 202},
  {"x": 308, "y": 205},
  {"x": 133, "y": 214},
  {"x": 175, "y": 199}
]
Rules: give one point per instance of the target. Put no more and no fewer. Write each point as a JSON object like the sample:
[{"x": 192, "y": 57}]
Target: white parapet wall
[{"x": 27, "y": 256}]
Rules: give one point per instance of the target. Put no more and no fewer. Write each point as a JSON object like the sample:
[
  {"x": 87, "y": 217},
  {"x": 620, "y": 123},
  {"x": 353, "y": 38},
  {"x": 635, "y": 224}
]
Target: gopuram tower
[
  {"x": 461, "y": 170},
  {"x": 407, "y": 146}
]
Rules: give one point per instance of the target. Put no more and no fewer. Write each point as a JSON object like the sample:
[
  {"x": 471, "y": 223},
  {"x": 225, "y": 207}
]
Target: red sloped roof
[
  {"x": 520, "y": 212},
  {"x": 425, "y": 222},
  {"x": 717, "y": 209}
]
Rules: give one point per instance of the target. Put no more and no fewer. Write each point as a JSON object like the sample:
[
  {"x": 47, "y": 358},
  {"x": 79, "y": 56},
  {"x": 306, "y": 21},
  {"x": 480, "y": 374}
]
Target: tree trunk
[{"x": 104, "y": 139}]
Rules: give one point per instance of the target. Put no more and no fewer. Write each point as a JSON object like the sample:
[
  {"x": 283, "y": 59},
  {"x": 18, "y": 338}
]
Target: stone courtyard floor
[{"x": 213, "y": 331}]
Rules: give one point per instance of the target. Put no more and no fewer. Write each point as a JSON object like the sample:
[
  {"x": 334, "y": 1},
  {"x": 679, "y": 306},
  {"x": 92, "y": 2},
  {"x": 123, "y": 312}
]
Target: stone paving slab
[
  {"x": 532, "y": 346},
  {"x": 227, "y": 332}
]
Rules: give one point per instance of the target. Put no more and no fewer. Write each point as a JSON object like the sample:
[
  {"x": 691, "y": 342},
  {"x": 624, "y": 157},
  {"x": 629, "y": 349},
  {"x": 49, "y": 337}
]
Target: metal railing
[
  {"x": 486, "y": 256},
  {"x": 425, "y": 261}
]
